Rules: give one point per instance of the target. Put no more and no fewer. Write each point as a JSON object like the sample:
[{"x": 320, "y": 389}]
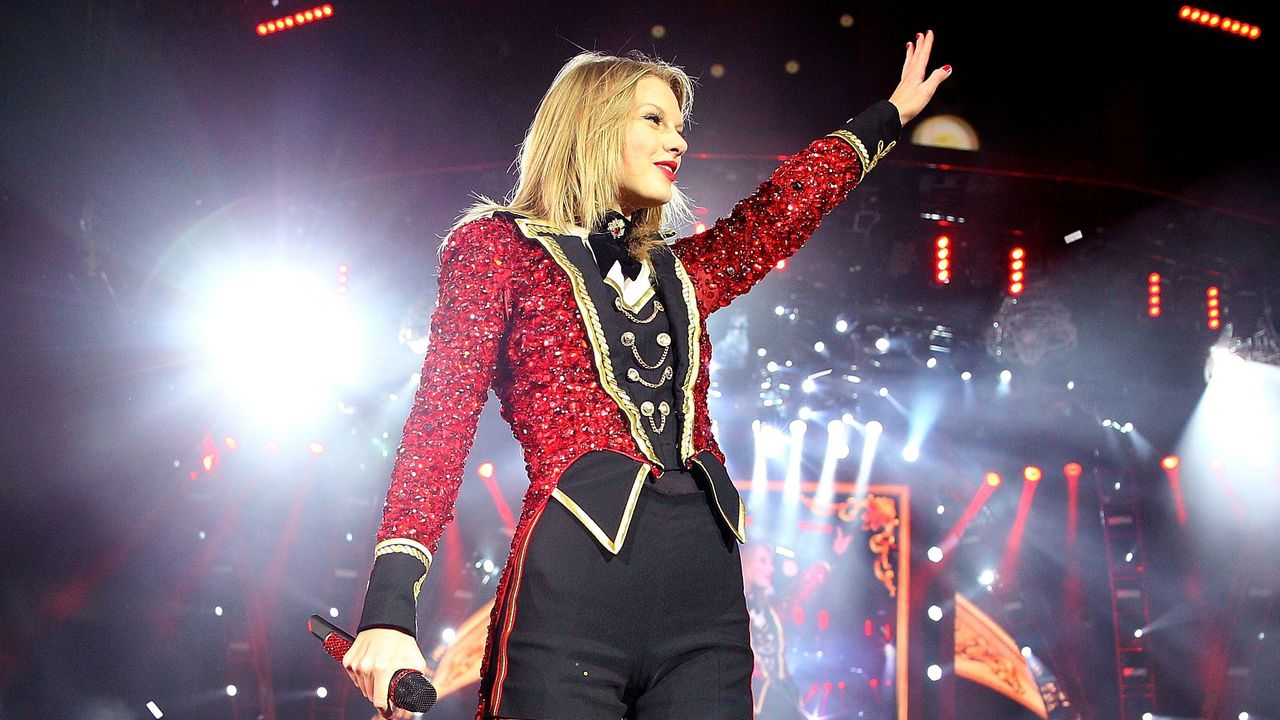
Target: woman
[{"x": 622, "y": 596}]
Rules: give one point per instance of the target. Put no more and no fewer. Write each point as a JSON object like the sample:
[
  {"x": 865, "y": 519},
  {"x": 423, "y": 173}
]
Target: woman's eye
[{"x": 655, "y": 118}]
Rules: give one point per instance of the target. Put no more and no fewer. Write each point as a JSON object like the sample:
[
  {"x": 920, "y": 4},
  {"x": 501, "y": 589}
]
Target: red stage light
[
  {"x": 1072, "y": 469},
  {"x": 993, "y": 479},
  {"x": 1031, "y": 473},
  {"x": 207, "y": 462},
  {"x": 1153, "y": 294},
  {"x": 942, "y": 259},
  {"x": 1209, "y": 19},
  {"x": 1017, "y": 265},
  {"x": 297, "y": 19},
  {"x": 1170, "y": 462},
  {"x": 1213, "y": 310},
  {"x": 485, "y": 470}
]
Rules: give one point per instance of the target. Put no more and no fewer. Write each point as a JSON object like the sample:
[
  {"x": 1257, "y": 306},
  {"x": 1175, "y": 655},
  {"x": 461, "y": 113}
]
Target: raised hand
[{"x": 915, "y": 91}]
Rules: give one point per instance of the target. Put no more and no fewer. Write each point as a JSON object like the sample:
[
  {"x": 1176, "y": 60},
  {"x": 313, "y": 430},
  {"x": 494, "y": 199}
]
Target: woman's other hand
[{"x": 915, "y": 90}]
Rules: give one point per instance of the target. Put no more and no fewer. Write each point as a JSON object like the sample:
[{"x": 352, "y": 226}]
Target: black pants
[{"x": 658, "y": 632}]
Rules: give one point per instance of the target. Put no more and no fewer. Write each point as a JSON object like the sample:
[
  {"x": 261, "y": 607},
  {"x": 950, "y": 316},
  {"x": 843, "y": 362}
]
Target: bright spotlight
[
  {"x": 322, "y": 692},
  {"x": 883, "y": 392},
  {"x": 911, "y": 453},
  {"x": 966, "y": 376},
  {"x": 935, "y": 613},
  {"x": 282, "y": 341},
  {"x": 231, "y": 690},
  {"x": 935, "y": 554},
  {"x": 1031, "y": 473},
  {"x": 1137, "y": 633},
  {"x": 1026, "y": 651},
  {"x": 449, "y": 635},
  {"x": 1005, "y": 376},
  {"x": 882, "y": 345},
  {"x": 987, "y": 577},
  {"x": 333, "y": 612},
  {"x": 935, "y": 673},
  {"x": 154, "y": 709},
  {"x": 931, "y": 363},
  {"x": 874, "y": 428},
  {"x": 1170, "y": 462},
  {"x": 942, "y": 509}
]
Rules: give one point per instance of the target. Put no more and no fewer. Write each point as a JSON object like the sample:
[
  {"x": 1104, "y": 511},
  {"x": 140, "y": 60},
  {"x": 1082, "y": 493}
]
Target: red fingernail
[
  {"x": 946, "y": 68},
  {"x": 908, "y": 46}
]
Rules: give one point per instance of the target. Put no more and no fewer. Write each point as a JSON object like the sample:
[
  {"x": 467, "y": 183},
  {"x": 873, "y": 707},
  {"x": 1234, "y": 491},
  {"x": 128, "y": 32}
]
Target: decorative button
[{"x": 664, "y": 340}]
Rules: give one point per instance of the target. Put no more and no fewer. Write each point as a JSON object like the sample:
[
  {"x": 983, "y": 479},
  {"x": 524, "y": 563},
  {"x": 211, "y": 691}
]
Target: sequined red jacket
[{"x": 518, "y": 313}]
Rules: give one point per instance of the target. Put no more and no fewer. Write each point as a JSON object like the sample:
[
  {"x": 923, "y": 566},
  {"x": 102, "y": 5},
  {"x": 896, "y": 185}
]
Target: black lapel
[{"x": 594, "y": 299}]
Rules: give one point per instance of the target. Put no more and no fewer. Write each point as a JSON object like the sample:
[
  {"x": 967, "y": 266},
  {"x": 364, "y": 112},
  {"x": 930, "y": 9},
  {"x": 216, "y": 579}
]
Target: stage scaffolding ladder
[{"x": 1126, "y": 571}]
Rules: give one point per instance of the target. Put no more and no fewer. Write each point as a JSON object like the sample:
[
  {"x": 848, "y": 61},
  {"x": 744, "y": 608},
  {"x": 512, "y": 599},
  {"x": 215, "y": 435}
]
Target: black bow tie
[{"x": 609, "y": 242}]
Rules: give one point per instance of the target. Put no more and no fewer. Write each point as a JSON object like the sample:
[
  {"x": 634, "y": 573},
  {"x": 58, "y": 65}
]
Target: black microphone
[{"x": 409, "y": 689}]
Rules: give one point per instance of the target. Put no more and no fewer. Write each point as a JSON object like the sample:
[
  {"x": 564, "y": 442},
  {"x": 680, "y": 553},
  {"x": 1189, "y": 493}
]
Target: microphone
[{"x": 409, "y": 689}]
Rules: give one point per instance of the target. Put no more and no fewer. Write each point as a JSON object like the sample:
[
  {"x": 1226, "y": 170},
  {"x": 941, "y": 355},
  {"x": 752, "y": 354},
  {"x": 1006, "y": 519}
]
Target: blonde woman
[{"x": 623, "y": 594}]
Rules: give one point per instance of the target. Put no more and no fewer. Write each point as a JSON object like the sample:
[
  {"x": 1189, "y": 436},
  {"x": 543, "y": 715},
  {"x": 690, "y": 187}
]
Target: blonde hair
[{"x": 571, "y": 158}]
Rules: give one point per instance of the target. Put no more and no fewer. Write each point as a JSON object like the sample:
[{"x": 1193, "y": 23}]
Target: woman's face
[{"x": 651, "y": 148}]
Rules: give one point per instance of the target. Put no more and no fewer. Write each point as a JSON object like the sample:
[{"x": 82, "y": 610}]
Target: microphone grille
[{"x": 413, "y": 692}]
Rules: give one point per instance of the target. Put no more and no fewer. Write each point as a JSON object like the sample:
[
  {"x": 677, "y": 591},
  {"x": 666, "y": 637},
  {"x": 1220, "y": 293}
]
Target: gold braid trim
[
  {"x": 406, "y": 546},
  {"x": 867, "y": 160},
  {"x": 694, "y": 339}
]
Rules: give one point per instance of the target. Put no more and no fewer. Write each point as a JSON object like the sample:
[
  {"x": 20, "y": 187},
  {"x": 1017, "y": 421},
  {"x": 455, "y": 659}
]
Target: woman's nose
[{"x": 678, "y": 145}]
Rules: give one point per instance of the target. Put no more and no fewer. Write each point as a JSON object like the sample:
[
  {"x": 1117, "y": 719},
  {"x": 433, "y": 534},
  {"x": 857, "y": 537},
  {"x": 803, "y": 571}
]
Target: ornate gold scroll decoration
[{"x": 879, "y": 516}]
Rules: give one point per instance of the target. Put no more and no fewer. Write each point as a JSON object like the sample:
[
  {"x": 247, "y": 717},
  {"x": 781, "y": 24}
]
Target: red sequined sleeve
[
  {"x": 732, "y": 255},
  {"x": 467, "y": 327}
]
